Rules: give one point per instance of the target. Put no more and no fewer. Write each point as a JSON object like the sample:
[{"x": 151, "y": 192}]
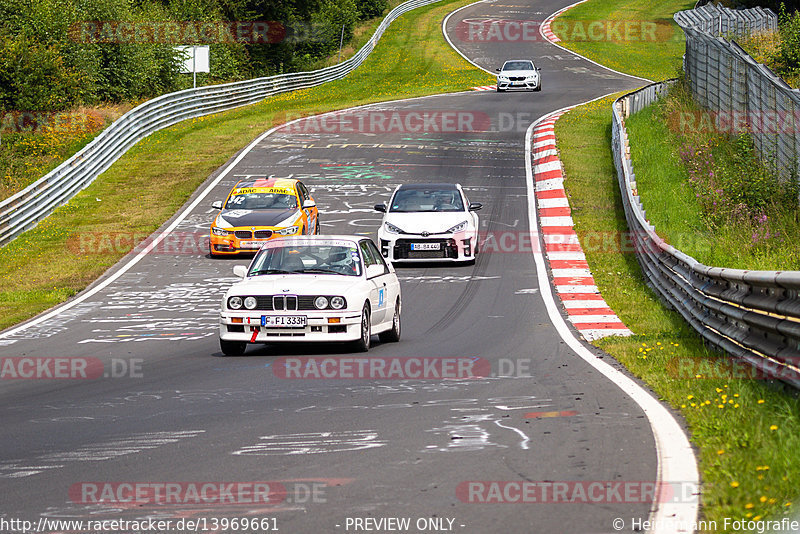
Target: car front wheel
[
  {"x": 393, "y": 335},
  {"x": 362, "y": 343},
  {"x": 232, "y": 348}
]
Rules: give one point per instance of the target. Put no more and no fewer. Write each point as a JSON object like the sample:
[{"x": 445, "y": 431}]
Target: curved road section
[{"x": 150, "y": 422}]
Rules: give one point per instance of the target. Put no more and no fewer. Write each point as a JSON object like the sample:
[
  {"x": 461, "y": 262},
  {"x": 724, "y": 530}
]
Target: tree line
[{"x": 60, "y": 54}]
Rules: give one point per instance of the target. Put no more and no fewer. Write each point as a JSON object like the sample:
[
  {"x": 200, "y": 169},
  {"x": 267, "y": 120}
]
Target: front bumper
[
  {"x": 318, "y": 328},
  {"x": 452, "y": 248},
  {"x": 529, "y": 85},
  {"x": 233, "y": 245}
]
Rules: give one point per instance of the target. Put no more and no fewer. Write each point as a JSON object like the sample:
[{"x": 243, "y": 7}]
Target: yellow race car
[{"x": 259, "y": 210}]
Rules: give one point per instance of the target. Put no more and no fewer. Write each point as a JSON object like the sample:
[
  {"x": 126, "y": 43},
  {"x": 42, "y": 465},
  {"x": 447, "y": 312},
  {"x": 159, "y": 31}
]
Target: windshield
[
  {"x": 518, "y": 65},
  {"x": 243, "y": 200},
  {"x": 410, "y": 200},
  {"x": 307, "y": 259}
]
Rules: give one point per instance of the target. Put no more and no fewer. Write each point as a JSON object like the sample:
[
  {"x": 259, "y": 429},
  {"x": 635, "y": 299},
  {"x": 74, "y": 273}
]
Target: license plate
[
  {"x": 283, "y": 321},
  {"x": 425, "y": 246},
  {"x": 251, "y": 244}
]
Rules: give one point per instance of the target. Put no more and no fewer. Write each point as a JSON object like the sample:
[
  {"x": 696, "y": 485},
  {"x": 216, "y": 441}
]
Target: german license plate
[
  {"x": 251, "y": 244},
  {"x": 425, "y": 246},
  {"x": 283, "y": 321}
]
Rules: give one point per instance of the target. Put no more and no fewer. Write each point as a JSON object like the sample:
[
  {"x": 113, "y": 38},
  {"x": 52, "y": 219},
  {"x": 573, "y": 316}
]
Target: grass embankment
[
  {"x": 709, "y": 196},
  {"x": 650, "y": 46},
  {"x": 744, "y": 429},
  {"x": 148, "y": 185}
]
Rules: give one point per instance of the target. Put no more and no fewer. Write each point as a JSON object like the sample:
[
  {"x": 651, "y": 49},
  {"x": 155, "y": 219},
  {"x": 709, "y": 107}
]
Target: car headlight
[
  {"x": 337, "y": 303},
  {"x": 392, "y": 229},
  {"x": 291, "y": 230},
  {"x": 219, "y": 231},
  {"x": 458, "y": 228},
  {"x": 530, "y": 77},
  {"x": 250, "y": 303},
  {"x": 235, "y": 303},
  {"x": 320, "y": 303}
]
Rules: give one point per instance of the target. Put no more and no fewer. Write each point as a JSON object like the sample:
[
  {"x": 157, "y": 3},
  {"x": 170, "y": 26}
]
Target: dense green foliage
[
  {"x": 787, "y": 58},
  {"x": 47, "y": 64}
]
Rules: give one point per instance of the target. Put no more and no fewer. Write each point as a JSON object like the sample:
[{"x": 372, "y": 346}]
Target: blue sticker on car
[{"x": 380, "y": 297}]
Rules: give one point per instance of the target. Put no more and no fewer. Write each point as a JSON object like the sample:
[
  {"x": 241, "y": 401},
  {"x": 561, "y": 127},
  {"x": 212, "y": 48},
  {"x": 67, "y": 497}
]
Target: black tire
[
  {"x": 232, "y": 348},
  {"x": 500, "y": 90},
  {"x": 316, "y": 227},
  {"x": 362, "y": 344},
  {"x": 538, "y": 87},
  {"x": 393, "y": 335}
]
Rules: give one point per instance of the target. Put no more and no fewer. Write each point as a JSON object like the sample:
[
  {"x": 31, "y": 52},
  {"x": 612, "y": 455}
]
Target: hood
[
  {"x": 239, "y": 218},
  {"x": 417, "y": 222},
  {"x": 517, "y": 73},
  {"x": 295, "y": 284}
]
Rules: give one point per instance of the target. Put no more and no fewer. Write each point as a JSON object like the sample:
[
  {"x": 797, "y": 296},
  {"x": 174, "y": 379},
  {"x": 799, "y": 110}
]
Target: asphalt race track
[{"x": 172, "y": 409}]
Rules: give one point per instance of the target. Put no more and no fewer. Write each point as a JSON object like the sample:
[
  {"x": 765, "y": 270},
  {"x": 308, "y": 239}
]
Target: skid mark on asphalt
[
  {"x": 96, "y": 452},
  {"x": 313, "y": 443}
]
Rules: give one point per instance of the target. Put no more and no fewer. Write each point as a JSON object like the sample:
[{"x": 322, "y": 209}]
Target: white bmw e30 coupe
[{"x": 312, "y": 288}]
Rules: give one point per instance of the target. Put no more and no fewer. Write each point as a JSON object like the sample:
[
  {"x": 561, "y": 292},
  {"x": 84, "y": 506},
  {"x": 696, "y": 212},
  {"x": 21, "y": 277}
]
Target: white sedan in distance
[
  {"x": 519, "y": 74},
  {"x": 312, "y": 288},
  {"x": 429, "y": 222}
]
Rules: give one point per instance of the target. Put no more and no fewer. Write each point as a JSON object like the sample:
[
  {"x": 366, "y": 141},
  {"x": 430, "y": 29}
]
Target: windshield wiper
[
  {"x": 270, "y": 271},
  {"x": 317, "y": 270}
]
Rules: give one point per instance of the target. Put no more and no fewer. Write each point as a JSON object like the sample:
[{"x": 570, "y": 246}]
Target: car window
[
  {"x": 366, "y": 253},
  {"x": 304, "y": 195},
  {"x": 307, "y": 259},
  {"x": 518, "y": 65},
  {"x": 261, "y": 201},
  {"x": 377, "y": 255},
  {"x": 430, "y": 200}
]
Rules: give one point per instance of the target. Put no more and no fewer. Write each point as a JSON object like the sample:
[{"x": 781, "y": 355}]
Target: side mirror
[
  {"x": 380, "y": 207},
  {"x": 240, "y": 270},
  {"x": 497, "y": 70},
  {"x": 309, "y": 204},
  {"x": 475, "y": 206},
  {"x": 538, "y": 68},
  {"x": 217, "y": 204}
]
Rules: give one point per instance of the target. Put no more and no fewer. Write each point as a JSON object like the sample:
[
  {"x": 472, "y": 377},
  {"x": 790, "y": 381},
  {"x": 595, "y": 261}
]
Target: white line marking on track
[{"x": 676, "y": 459}]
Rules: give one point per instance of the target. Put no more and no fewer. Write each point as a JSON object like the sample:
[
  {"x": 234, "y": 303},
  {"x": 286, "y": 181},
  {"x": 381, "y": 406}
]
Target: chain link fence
[{"x": 725, "y": 79}]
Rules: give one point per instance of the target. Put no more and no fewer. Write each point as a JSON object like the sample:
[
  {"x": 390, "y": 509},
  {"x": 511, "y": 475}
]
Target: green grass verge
[
  {"x": 151, "y": 182},
  {"x": 637, "y": 37},
  {"x": 745, "y": 430}
]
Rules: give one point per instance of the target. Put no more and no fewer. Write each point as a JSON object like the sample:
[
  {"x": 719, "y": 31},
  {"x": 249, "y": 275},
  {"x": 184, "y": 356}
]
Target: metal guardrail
[
  {"x": 752, "y": 315},
  {"x": 724, "y": 78},
  {"x": 26, "y": 208}
]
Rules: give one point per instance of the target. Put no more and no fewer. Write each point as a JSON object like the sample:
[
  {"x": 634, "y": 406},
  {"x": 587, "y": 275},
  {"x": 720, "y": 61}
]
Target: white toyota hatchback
[
  {"x": 312, "y": 288},
  {"x": 519, "y": 74},
  {"x": 429, "y": 222}
]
